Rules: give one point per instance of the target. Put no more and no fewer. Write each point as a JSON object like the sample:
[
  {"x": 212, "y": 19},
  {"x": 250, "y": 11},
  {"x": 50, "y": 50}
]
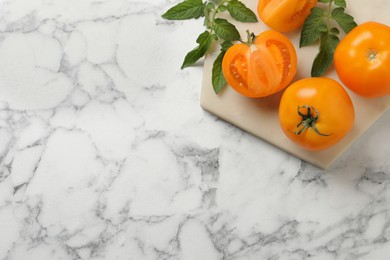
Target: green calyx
[
  {"x": 309, "y": 120},
  {"x": 250, "y": 36}
]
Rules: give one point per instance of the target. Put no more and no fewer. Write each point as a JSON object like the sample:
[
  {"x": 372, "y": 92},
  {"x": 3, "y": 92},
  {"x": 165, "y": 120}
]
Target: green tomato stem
[
  {"x": 309, "y": 120},
  {"x": 329, "y": 13},
  {"x": 216, "y": 11},
  {"x": 251, "y": 37}
]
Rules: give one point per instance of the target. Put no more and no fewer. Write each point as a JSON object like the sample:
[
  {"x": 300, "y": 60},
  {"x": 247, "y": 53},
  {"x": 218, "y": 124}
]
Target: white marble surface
[{"x": 105, "y": 152}]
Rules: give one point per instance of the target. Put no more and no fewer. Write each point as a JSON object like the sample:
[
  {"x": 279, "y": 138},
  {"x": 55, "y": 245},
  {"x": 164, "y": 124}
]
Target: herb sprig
[
  {"x": 217, "y": 30},
  {"x": 321, "y": 25}
]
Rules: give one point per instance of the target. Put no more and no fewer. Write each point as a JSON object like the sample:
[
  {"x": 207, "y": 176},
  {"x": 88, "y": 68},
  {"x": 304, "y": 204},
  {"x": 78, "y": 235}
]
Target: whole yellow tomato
[
  {"x": 284, "y": 15},
  {"x": 362, "y": 60},
  {"x": 316, "y": 113}
]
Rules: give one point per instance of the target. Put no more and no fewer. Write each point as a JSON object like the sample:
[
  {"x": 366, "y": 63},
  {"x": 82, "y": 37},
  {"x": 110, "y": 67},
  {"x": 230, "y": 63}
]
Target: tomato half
[
  {"x": 261, "y": 68},
  {"x": 284, "y": 15},
  {"x": 316, "y": 113},
  {"x": 362, "y": 60}
]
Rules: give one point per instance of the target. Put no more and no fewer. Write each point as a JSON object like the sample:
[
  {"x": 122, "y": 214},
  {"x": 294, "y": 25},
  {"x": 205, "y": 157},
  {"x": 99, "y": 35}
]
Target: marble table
[{"x": 105, "y": 152}]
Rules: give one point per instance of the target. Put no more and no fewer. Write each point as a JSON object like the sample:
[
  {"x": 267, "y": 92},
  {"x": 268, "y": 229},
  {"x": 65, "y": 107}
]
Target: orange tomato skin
[
  {"x": 284, "y": 15},
  {"x": 262, "y": 68},
  {"x": 362, "y": 60},
  {"x": 336, "y": 113}
]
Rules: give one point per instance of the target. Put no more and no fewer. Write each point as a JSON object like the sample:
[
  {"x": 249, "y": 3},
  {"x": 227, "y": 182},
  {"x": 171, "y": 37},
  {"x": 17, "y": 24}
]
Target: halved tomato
[
  {"x": 284, "y": 15},
  {"x": 262, "y": 67}
]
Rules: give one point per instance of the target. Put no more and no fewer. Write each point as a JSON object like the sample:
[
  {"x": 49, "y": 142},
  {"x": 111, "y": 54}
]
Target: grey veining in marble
[{"x": 105, "y": 152}]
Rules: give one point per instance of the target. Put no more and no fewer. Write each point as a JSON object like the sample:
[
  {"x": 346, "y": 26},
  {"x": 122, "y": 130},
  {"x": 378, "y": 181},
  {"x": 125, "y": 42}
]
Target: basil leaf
[
  {"x": 344, "y": 20},
  {"x": 324, "y": 59},
  {"x": 204, "y": 40},
  {"x": 218, "y": 79},
  {"x": 341, "y": 3},
  {"x": 187, "y": 9},
  {"x": 313, "y": 27},
  {"x": 323, "y": 1},
  {"x": 226, "y": 30},
  {"x": 240, "y": 12}
]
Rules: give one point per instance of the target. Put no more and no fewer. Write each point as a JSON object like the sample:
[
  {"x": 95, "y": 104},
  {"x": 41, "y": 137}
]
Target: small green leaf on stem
[
  {"x": 217, "y": 78},
  {"x": 204, "y": 42},
  {"x": 226, "y": 45},
  {"x": 344, "y": 20},
  {"x": 334, "y": 31},
  {"x": 341, "y": 3},
  {"x": 313, "y": 27},
  {"x": 319, "y": 26},
  {"x": 188, "y": 9},
  {"x": 222, "y": 8},
  {"x": 226, "y": 30},
  {"x": 203, "y": 38},
  {"x": 240, "y": 12},
  {"x": 324, "y": 59}
]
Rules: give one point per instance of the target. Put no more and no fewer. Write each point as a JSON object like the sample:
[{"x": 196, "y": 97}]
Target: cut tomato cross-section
[{"x": 261, "y": 68}]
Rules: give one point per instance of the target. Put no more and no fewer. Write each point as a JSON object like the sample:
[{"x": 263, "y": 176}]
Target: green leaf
[
  {"x": 204, "y": 40},
  {"x": 222, "y": 8},
  {"x": 187, "y": 9},
  {"x": 226, "y": 30},
  {"x": 313, "y": 27},
  {"x": 324, "y": 59},
  {"x": 323, "y": 1},
  {"x": 341, "y": 3},
  {"x": 203, "y": 37},
  {"x": 218, "y": 79},
  {"x": 240, "y": 12},
  {"x": 193, "y": 56},
  {"x": 334, "y": 31},
  {"x": 344, "y": 20},
  {"x": 226, "y": 45}
]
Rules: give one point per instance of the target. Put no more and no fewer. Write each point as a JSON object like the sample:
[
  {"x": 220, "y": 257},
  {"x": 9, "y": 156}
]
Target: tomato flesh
[
  {"x": 262, "y": 68},
  {"x": 284, "y": 15},
  {"x": 362, "y": 60}
]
